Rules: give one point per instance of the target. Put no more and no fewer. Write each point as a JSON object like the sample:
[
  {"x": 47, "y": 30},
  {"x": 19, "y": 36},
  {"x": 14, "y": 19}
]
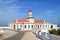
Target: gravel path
[{"x": 29, "y": 36}]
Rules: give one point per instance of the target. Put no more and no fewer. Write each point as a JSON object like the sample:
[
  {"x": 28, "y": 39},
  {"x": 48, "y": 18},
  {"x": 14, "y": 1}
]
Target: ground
[
  {"x": 7, "y": 33},
  {"x": 29, "y": 36},
  {"x": 24, "y": 35},
  {"x": 21, "y": 35}
]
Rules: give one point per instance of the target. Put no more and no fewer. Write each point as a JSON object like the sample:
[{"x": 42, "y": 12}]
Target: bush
[
  {"x": 50, "y": 31},
  {"x": 54, "y": 31},
  {"x": 58, "y": 31}
]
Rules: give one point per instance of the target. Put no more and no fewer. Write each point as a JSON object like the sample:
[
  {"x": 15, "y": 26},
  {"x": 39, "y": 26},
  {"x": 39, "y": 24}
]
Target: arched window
[
  {"x": 38, "y": 26},
  {"x": 46, "y": 25},
  {"x": 17, "y": 26},
  {"x": 14, "y": 26},
  {"x": 28, "y": 26},
  {"x": 25, "y": 26},
  {"x": 51, "y": 26},
  {"x": 20, "y": 25},
  {"x": 32, "y": 26}
]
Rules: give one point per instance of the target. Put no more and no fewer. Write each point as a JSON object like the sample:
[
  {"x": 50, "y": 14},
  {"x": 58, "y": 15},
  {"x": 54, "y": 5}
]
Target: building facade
[{"x": 30, "y": 23}]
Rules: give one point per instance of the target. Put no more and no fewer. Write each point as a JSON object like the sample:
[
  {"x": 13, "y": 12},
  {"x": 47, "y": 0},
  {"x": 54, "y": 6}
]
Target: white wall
[
  {"x": 31, "y": 20},
  {"x": 27, "y": 26}
]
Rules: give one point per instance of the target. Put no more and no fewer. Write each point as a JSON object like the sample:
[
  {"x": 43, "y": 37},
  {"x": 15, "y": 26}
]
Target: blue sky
[{"x": 48, "y": 10}]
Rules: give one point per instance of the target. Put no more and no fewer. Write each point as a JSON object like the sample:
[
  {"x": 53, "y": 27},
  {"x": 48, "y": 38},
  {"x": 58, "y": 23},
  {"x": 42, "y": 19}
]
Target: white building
[{"x": 30, "y": 24}]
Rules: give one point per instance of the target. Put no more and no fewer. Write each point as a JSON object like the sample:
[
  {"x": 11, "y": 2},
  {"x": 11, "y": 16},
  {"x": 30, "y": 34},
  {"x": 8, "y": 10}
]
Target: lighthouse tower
[
  {"x": 30, "y": 14},
  {"x": 30, "y": 17}
]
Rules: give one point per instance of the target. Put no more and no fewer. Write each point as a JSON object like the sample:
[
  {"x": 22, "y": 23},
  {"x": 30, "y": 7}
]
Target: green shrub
[
  {"x": 50, "y": 31},
  {"x": 58, "y": 31},
  {"x": 54, "y": 31}
]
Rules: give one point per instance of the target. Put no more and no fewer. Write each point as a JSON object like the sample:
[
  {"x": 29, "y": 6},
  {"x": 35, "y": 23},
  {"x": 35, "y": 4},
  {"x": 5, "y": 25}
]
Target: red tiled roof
[
  {"x": 23, "y": 20},
  {"x": 39, "y": 21},
  {"x": 20, "y": 21}
]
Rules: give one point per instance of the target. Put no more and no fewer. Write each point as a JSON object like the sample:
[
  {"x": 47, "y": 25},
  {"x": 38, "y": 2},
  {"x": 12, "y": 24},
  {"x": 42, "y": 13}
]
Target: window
[
  {"x": 28, "y": 26},
  {"x": 51, "y": 26},
  {"x": 20, "y": 25},
  {"x": 14, "y": 26},
  {"x": 17, "y": 26},
  {"x": 38, "y": 26},
  {"x": 32, "y": 26},
  {"x": 46, "y": 25},
  {"x": 25, "y": 26}
]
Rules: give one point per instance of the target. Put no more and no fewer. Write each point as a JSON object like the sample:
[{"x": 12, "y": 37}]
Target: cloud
[
  {"x": 6, "y": 2},
  {"x": 49, "y": 12},
  {"x": 9, "y": 10}
]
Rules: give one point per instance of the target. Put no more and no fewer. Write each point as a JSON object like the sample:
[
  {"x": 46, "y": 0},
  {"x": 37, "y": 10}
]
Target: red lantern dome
[{"x": 30, "y": 10}]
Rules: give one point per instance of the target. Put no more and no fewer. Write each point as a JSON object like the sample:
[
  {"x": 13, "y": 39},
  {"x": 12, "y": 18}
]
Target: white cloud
[
  {"x": 6, "y": 2},
  {"x": 9, "y": 12},
  {"x": 49, "y": 12}
]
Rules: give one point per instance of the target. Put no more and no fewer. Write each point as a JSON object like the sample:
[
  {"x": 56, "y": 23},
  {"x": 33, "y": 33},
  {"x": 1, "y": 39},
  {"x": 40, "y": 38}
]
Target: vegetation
[{"x": 54, "y": 31}]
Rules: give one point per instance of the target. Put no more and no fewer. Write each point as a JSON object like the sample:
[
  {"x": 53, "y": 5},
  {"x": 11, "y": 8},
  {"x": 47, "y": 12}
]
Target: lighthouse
[{"x": 30, "y": 14}]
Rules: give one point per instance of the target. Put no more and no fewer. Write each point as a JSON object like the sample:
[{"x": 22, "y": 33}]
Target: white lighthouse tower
[
  {"x": 30, "y": 14},
  {"x": 30, "y": 17}
]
